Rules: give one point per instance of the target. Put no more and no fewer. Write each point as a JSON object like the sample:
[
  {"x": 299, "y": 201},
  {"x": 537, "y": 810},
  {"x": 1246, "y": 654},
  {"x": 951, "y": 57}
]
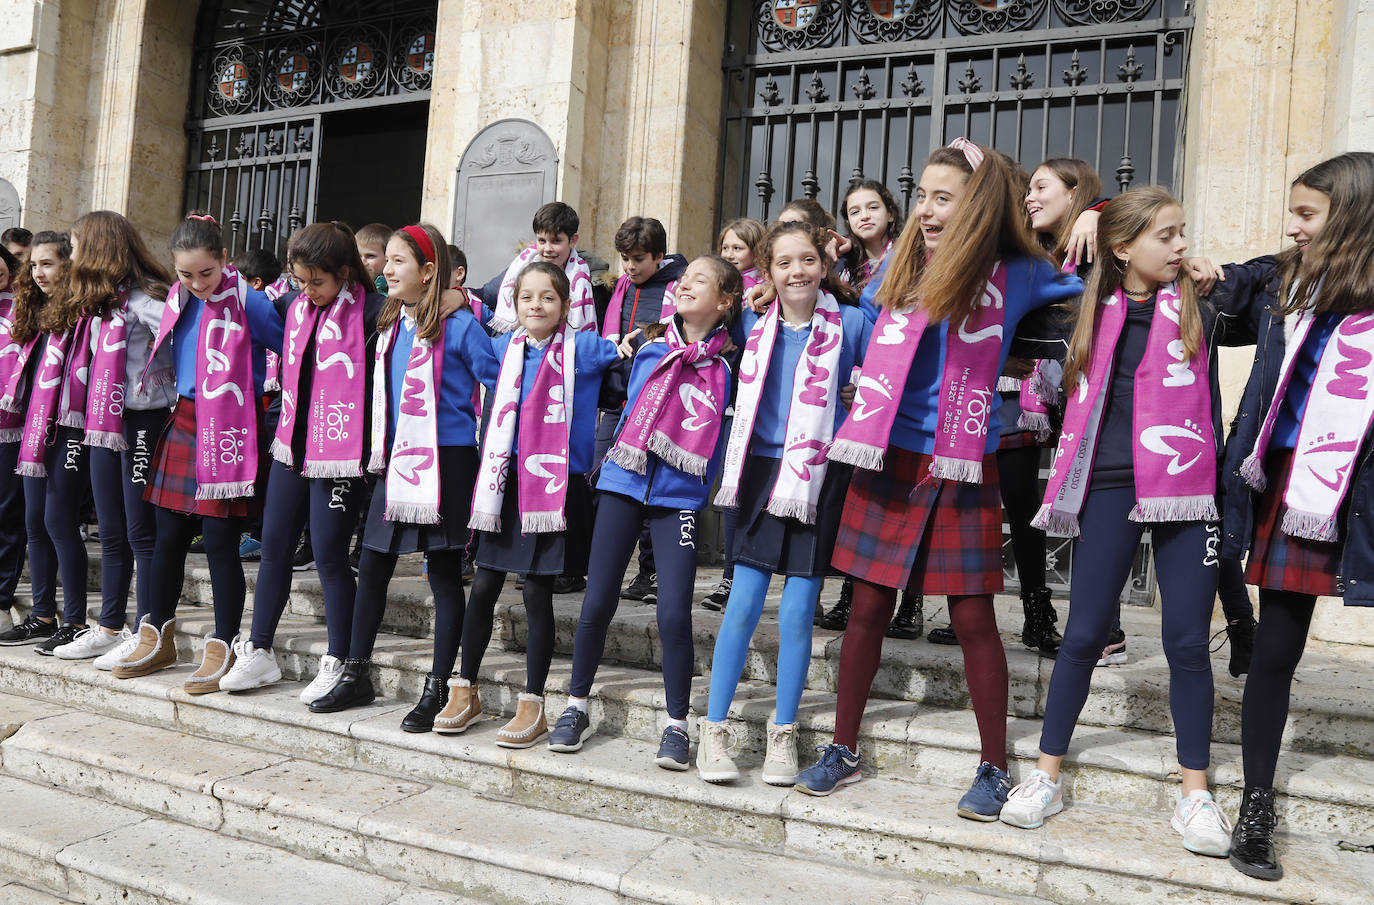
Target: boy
[
  {"x": 555, "y": 240},
  {"x": 17, "y": 242},
  {"x": 372, "y": 241}
]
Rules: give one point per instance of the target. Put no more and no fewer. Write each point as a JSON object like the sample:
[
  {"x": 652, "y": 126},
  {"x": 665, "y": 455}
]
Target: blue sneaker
[
  {"x": 674, "y": 752},
  {"x": 570, "y": 731},
  {"x": 837, "y": 766},
  {"x": 250, "y": 548},
  {"x": 984, "y": 799}
]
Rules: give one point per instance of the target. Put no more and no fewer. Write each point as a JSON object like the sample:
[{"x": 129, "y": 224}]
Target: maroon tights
[{"x": 985, "y": 664}]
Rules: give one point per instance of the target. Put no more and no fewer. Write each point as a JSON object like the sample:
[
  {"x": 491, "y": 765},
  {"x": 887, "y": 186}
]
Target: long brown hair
[
  {"x": 898, "y": 289},
  {"x": 1125, "y": 217},
  {"x": 112, "y": 258},
  {"x": 29, "y": 300},
  {"x": 330, "y": 248},
  {"x": 818, "y": 238},
  {"x": 429, "y": 316},
  {"x": 1081, "y": 178},
  {"x": 1341, "y": 256}
]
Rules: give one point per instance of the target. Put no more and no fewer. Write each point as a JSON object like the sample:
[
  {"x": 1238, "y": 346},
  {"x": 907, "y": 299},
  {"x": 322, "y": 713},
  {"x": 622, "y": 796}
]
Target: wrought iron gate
[{"x": 265, "y": 72}]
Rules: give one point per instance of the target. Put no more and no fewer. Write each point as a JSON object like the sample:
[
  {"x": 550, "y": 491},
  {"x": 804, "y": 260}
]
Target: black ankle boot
[
  {"x": 353, "y": 689},
  {"x": 1039, "y": 632},
  {"x": 838, "y": 618},
  {"x": 432, "y": 700},
  {"x": 910, "y": 619},
  {"x": 1252, "y": 841},
  {"x": 1241, "y": 632}
]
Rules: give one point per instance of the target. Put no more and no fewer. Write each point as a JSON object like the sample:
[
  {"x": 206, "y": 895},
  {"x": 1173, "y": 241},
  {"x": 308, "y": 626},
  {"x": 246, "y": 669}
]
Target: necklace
[{"x": 1137, "y": 296}]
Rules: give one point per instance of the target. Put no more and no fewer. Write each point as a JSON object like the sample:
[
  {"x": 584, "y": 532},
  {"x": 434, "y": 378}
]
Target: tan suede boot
[
  {"x": 527, "y": 727},
  {"x": 462, "y": 710},
  {"x": 218, "y": 660},
  {"x": 156, "y": 650}
]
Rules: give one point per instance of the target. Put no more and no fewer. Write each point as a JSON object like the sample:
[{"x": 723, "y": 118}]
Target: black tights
[
  {"x": 1018, "y": 477},
  {"x": 445, "y": 582},
  {"x": 175, "y": 531},
  {"x": 486, "y": 588},
  {"x": 1279, "y": 640}
]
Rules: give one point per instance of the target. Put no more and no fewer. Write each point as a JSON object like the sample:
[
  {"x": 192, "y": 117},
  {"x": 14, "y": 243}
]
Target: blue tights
[{"x": 747, "y": 593}]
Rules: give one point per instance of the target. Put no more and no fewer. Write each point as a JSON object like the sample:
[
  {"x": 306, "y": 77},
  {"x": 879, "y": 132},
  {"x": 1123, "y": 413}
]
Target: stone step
[
  {"x": 500, "y": 845},
  {"x": 19, "y": 894},
  {"x": 427, "y": 837}
]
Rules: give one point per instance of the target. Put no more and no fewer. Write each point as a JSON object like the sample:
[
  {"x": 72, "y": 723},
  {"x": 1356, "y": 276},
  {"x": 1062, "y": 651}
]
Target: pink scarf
[
  {"x": 13, "y": 359},
  {"x": 226, "y": 411},
  {"x": 39, "y": 426},
  {"x": 544, "y": 419},
  {"x": 1033, "y": 396},
  {"x": 1174, "y": 452},
  {"x": 413, "y": 488},
  {"x": 581, "y": 308},
  {"x": 972, "y": 356},
  {"x": 272, "y": 379},
  {"x": 677, "y": 414},
  {"x": 752, "y": 277},
  {"x": 334, "y": 441},
  {"x": 611, "y": 329},
  {"x": 71, "y": 406},
  {"x": 106, "y": 394},
  {"x": 1335, "y": 422},
  {"x": 810, "y": 413}
]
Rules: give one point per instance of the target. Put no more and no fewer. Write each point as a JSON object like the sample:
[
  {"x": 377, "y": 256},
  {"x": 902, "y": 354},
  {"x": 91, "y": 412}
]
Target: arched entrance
[{"x": 304, "y": 110}]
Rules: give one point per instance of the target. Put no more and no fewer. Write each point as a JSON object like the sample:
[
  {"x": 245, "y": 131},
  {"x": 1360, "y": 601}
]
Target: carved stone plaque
[
  {"x": 9, "y": 206},
  {"x": 508, "y": 170}
]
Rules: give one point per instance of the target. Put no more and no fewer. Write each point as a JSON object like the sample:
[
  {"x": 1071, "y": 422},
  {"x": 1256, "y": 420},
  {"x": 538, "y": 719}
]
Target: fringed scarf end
[
  {"x": 1007, "y": 384},
  {"x": 543, "y": 522},
  {"x": 728, "y": 498},
  {"x": 490, "y": 522},
  {"x": 341, "y": 468},
  {"x": 31, "y": 470},
  {"x": 1201, "y": 508},
  {"x": 629, "y": 458},
  {"x": 282, "y": 452},
  {"x": 11, "y": 435},
  {"x": 412, "y": 513},
  {"x": 801, "y": 510},
  {"x": 860, "y": 455},
  {"x": 950, "y": 469},
  {"x": 1058, "y": 523},
  {"x": 104, "y": 440},
  {"x": 1310, "y": 525},
  {"x": 679, "y": 458},
  {"x": 1252, "y": 470},
  {"x": 229, "y": 490}
]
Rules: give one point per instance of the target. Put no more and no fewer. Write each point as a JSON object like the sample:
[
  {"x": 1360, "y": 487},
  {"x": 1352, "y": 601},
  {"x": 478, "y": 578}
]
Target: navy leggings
[
  {"x": 1018, "y": 476},
  {"x": 477, "y": 625},
  {"x": 1280, "y": 637},
  {"x": 55, "y": 503},
  {"x": 128, "y": 523},
  {"x": 13, "y": 536},
  {"x": 445, "y": 582},
  {"x": 618, "y": 521},
  {"x": 1186, "y": 563},
  {"x": 332, "y": 507},
  {"x": 175, "y": 530},
  {"x": 606, "y": 423}
]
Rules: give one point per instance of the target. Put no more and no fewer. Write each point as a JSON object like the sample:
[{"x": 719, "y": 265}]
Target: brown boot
[
  {"x": 463, "y": 708},
  {"x": 218, "y": 660},
  {"x": 527, "y": 727},
  {"x": 156, "y": 650}
]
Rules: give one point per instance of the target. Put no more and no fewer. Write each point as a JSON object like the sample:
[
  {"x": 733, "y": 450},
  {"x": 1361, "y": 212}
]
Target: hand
[
  {"x": 1082, "y": 240},
  {"x": 1204, "y": 273},
  {"x": 1019, "y": 368},
  {"x": 838, "y": 246},
  {"x": 847, "y": 393},
  {"x": 626, "y": 349},
  {"x": 760, "y": 296},
  {"x": 452, "y": 300}
]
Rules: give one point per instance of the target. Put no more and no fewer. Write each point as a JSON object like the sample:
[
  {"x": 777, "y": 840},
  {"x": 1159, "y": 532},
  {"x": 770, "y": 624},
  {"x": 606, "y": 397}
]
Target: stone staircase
[{"x": 119, "y": 791}]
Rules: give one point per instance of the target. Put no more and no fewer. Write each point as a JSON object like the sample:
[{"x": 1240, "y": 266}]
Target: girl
[
  {"x": 1139, "y": 446},
  {"x": 12, "y": 537},
  {"x": 423, "y": 436},
  {"x": 22, "y": 349},
  {"x": 738, "y": 242},
  {"x": 219, "y": 329},
  {"x": 660, "y": 467},
  {"x": 317, "y": 448},
  {"x": 532, "y": 490},
  {"x": 1301, "y": 440},
  {"x": 922, "y": 511},
  {"x": 799, "y": 356},
  {"x": 873, "y": 221},
  {"x": 115, "y": 283}
]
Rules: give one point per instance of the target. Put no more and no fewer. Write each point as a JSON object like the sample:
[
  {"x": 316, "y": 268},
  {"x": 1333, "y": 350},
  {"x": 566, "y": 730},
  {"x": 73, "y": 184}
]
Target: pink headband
[
  {"x": 972, "y": 153},
  {"x": 421, "y": 239}
]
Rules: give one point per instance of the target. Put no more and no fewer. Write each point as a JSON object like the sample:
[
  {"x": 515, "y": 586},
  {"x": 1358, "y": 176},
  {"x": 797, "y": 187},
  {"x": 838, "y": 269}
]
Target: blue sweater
[
  {"x": 1300, "y": 384},
  {"x": 1031, "y": 285},
  {"x": 661, "y": 484},
  {"x": 770, "y": 424},
  {"x": 467, "y": 359},
  {"x": 265, "y": 326},
  {"x": 593, "y": 356}
]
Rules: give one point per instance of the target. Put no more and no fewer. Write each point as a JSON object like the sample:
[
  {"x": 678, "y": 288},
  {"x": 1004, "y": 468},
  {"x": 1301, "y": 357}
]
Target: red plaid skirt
[
  {"x": 903, "y": 529},
  {"x": 172, "y": 484},
  {"x": 1282, "y": 562}
]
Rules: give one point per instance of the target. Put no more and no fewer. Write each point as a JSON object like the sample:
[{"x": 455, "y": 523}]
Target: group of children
[{"x": 862, "y": 403}]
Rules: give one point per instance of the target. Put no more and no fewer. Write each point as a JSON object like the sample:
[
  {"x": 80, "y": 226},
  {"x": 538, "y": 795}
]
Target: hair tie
[
  {"x": 972, "y": 153},
  {"x": 202, "y": 217},
  {"x": 421, "y": 239}
]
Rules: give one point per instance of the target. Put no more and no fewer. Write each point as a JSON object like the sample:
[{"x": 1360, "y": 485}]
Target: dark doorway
[{"x": 372, "y": 164}]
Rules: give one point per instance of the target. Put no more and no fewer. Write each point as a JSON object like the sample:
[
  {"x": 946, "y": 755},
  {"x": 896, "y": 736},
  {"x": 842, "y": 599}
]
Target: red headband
[{"x": 421, "y": 239}]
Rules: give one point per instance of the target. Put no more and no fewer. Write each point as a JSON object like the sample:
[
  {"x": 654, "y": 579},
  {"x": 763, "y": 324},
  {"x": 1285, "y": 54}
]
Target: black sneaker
[
  {"x": 570, "y": 731},
  {"x": 1241, "y": 633},
  {"x": 675, "y": 751},
  {"x": 30, "y": 630},
  {"x": 569, "y": 584},
  {"x": 642, "y": 584},
  {"x": 943, "y": 634},
  {"x": 65, "y": 634},
  {"x": 304, "y": 558},
  {"x": 719, "y": 596},
  {"x": 197, "y": 544}
]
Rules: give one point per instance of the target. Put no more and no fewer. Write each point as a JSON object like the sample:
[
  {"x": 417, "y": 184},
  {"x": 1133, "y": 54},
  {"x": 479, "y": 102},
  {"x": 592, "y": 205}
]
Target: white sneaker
[
  {"x": 253, "y": 668},
  {"x": 713, "y": 752},
  {"x": 780, "y": 763},
  {"x": 126, "y": 642},
  {"x": 1032, "y": 801},
  {"x": 330, "y": 670},
  {"x": 1203, "y": 825},
  {"x": 88, "y": 643}
]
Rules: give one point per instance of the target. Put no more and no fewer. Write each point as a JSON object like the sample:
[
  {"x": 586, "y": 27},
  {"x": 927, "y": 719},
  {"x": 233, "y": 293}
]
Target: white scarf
[
  {"x": 581, "y": 305},
  {"x": 412, "y": 476}
]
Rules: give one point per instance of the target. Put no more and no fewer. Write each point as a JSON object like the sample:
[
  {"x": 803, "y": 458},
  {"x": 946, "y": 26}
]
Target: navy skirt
[
  {"x": 457, "y": 475},
  {"x": 545, "y": 553},
  {"x": 786, "y": 546}
]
